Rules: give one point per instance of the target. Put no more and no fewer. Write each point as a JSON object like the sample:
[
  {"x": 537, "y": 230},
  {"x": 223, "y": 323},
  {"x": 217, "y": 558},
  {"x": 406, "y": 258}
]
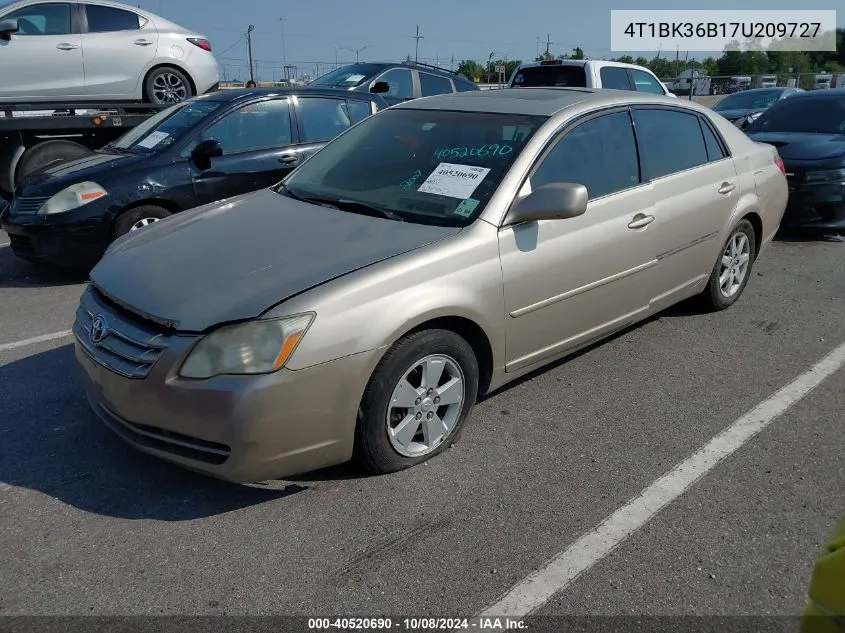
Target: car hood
[
  {"x": 235, "y": 259},
  {"x": 738, "y": 113},
  {"x": 803, "y": 146},
  {"x": 47, "y": 182}
]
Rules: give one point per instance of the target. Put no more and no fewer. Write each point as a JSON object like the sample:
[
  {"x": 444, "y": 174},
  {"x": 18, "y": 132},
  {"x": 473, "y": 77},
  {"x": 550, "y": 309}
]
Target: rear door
[
  {"x": 118, "y": 45},
  {"x": 321, "y": 118},
  {"x": 259, "y": 149},
  {"x": 615, "y": 78},
  {"x": 400, "y": 83},
  {"x": 696, "y": 189},
  {"x": 44, "y": 58},
  {"x": 431, "y": 84}
]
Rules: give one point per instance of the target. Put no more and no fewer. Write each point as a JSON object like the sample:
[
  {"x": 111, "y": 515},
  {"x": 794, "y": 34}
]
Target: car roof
[
  {"x": 817, "y": 94},
  {"x": 239, "y": 94},
  {"x": 428, "y": 68},
  {"x": 536, "y": 101}
]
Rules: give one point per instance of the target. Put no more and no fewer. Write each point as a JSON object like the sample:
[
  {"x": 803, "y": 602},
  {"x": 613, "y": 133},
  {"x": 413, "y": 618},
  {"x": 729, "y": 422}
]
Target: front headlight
[
  {"x": 73, "y": 197},
  {"x": 827, "y": 175},
  {"x": 255, "y": 347}
]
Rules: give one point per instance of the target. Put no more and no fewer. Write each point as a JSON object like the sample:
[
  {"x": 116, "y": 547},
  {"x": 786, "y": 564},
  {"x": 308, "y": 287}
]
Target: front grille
[
  {"x": 130, "y": 347},
  {"x": 28, "y": 205},
  {"x": 22, "y": 245},
  {"x": 166, "y": 441}
]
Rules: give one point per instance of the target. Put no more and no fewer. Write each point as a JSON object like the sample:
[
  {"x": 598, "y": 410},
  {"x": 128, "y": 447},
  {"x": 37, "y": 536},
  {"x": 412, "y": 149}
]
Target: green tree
[{"x": 472, "y": 69}]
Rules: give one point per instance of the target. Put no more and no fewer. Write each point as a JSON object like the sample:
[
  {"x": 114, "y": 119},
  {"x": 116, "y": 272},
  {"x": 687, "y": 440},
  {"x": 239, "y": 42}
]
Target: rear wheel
[
  {"x": 47, "y": 154},
  {"x": 167, "y": 85},
  {"x": 138, "y": 218},
  {"x": 732, "y": 269}
]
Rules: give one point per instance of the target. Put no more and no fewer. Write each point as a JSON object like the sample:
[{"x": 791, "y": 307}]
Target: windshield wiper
[{"x": 343, "y": 204}]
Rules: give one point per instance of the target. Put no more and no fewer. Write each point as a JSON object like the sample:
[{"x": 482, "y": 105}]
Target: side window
[
  {"x": 600, "y": 154},
  {"x": 615, "y": 78},
  {"x": 434, "y": 85},
  {"x": 107, "y": 19},
  {"x": 463, "y": 86},
  {"x": 670, "y": 141},
  {"x": 358, "y": 110},
  {"x": 52, "y": 18},
  {"x": 714, "y": 149},
  {"x": 646, "y": 82},
  {"x": 322, "y": 118},
  {"x": 401, "y": 83},
  {"x": 262, "y": 125}
]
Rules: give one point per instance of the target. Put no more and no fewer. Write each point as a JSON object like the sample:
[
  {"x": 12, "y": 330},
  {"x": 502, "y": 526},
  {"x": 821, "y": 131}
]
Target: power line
[{"x": 239, "y": 40}]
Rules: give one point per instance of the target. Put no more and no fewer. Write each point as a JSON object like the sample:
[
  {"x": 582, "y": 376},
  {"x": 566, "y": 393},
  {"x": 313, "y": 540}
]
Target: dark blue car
[
  {"x": 808, "y": 130},
  {"x": 199, "y": 151}
]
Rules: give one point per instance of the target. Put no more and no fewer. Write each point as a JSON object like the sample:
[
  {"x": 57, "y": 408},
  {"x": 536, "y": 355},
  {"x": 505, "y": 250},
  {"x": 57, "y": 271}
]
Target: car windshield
[
  {"x": 165, "y": 128},
  {"x": 347, "y": 77},
  {"x": 424, "y": 166},
  {"x": 748, "y": 101},
  {"x": 821, "y": 115},
  {"x": 544, "y": 76}
]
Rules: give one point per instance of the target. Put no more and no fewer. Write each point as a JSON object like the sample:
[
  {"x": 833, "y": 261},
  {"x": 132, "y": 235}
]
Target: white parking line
[
  {"x": 537, "y": 588},
  {"x": 5, "y": 347}
]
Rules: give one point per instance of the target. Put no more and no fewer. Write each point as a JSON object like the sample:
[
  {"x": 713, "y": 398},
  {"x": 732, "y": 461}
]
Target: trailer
[{"x": 35, "y": 135}]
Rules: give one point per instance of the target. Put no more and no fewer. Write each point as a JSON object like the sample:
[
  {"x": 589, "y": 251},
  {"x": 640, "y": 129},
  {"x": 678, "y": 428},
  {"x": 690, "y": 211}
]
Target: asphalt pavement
[{"x": 89, "y": 526}]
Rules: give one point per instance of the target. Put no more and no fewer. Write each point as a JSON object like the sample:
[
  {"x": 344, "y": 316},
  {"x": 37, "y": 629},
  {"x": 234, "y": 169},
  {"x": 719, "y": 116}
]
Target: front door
[
  {"x": 117, "y": 50},
  {"x": 258, "y": 150},
  {"x": 569, "y": 282},
  {"x": 44, "y": 58}
]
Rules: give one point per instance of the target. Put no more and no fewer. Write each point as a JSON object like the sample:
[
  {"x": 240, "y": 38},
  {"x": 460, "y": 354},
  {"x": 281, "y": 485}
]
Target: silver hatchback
[{"x": 83, "y": 50}]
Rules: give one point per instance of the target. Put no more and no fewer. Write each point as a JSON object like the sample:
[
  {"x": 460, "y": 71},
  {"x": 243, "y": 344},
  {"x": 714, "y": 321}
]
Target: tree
[
  {"x": 577, "y": 53},
  {"x": 472, "y": 69}
]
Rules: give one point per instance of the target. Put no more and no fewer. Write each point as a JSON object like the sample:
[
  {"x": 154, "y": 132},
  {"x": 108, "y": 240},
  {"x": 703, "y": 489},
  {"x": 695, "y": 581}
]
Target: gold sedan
[{"x": 430, "y": 254}]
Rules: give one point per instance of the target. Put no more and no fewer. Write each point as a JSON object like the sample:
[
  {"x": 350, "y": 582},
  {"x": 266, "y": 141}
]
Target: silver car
[
  {"x": 90, "y": 49},
  {"x": 430, "y": 254}
]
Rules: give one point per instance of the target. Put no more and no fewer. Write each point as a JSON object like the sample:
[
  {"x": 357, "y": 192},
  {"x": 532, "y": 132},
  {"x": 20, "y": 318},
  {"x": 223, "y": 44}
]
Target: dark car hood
[
  {"x": 235, "y": 259},
  {"x": 738, "y": 113},
  {"x": 803, "y": 146},
  {"x": 49, "y": 181}
]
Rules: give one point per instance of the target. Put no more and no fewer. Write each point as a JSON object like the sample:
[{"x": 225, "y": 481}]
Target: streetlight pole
[
  {"x": 284, "y": 59},
  {"x": 357, "y": 51}
]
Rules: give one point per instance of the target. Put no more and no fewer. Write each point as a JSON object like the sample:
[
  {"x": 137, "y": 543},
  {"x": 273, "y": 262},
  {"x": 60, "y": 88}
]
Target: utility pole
[
  {"x": 538, "y": 47},
  {"x": 282, "y": 27},
  {"x": 659, "y": 48},
  {"x": 548, "y": 43},
  {"x": 417, "y": 37},
  {"x": 249, "y": 51},
  {"x": 677, "y": 60},
  {"x": 452, "y": 63}
]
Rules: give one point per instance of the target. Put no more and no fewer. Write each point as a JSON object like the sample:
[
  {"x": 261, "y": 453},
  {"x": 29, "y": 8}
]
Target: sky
[{"x": 319, "y": 33}]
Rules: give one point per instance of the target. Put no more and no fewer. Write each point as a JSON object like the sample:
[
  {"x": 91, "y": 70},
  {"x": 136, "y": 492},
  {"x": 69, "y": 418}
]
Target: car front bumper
[
  {"x": 237, "y": 428},
  {"x": 74, "y": 239},
  {"x": 817, "y": 206}
]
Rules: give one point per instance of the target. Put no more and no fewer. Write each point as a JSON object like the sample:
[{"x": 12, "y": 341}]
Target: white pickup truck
[{"x": 586, "y": 73}]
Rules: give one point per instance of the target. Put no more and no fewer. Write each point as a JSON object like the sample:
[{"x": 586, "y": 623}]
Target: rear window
[
  {"x": 464, "y": 86},
  {"x": 548, "y": 76}
]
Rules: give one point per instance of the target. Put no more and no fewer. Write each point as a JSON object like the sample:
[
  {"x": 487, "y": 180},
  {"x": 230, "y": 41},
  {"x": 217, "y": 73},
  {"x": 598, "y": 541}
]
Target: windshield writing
[{"x": 427, "y": 166}]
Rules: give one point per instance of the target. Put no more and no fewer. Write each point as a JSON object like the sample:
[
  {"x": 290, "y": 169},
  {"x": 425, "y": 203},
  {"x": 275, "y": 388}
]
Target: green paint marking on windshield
[
  {"x": 407, "y": 184},
  {"x": 492, "y": 150}
]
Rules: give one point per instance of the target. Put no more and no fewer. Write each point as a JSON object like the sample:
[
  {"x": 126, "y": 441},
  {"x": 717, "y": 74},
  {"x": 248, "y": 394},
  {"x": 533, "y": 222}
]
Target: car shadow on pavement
[
  {"x": 52, "y": 443},
  {"x": 809, "y": 236},
  {"x": 19, "y": 273}
]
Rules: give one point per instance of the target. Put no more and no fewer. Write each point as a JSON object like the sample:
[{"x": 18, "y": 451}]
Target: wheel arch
[
  {"x": 757, "y": 222},
  {"x": 167, "y": 205},
  {"x": 168, "y": 64}
]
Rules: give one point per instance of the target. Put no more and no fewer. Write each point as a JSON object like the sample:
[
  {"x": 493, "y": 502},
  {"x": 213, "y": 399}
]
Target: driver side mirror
[
  {"x": 380, "y": 87},
  {"x": 558, "y": 201},
  {"x": 7, "y": 27},
  {"x": 205, "y": 151}
]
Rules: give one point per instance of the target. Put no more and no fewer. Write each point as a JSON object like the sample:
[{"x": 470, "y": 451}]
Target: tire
[
  {"x": 377, "y": 450},
  {"x": 167, "y": 85},
  {"x": 133, "y": 218},
  {"x": 47, "y": 153},
  {"x": 719, "y": 296}
]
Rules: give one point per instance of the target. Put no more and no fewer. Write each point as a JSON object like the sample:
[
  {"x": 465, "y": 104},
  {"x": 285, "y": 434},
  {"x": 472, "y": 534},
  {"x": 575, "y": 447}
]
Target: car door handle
[
  {"x": 143, "y": 42},
  {"x": 64, "y": 46},
  {"x": 288, "y": 159},
  {"x": 726, "y": 188},
  {"x": 640, "y": 220}
]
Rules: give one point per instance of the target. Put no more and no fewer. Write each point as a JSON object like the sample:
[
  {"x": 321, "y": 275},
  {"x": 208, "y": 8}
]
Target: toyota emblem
[{"x": 99, "y": 328}]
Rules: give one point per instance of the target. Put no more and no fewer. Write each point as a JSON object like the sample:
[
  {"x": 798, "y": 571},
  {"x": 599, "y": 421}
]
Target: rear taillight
[
  {"x": 203, "y": 44},
  {"x": 779, "y": 163}
]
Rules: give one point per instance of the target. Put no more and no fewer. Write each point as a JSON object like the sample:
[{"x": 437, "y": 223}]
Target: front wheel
[
  {"x": 416, "y": 401},
  {"x": 138, "y": 218},
  {"x": 733, "y": 268}
]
